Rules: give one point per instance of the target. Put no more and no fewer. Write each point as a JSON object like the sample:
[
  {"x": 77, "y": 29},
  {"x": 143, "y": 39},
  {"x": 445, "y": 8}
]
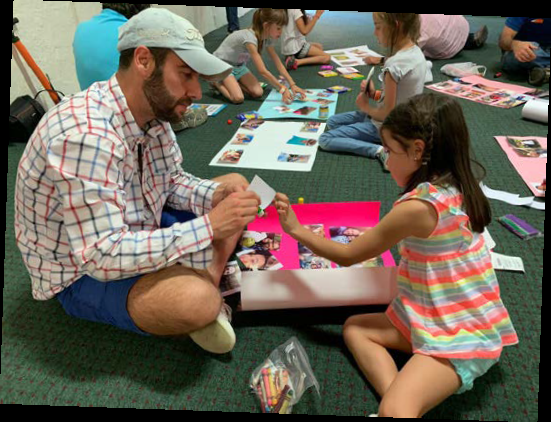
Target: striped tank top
[{"x": 448, "y": 303}]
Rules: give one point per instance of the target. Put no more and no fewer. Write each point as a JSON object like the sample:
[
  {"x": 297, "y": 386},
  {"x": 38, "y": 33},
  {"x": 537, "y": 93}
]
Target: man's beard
[{"x": 162, "y": 103}]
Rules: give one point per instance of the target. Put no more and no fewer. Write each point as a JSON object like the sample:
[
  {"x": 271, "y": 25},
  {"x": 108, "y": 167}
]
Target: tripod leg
[{"x": 39, "y": 74}]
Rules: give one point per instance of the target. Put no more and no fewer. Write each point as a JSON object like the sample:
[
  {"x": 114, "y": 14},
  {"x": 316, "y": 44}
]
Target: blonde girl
[
  {"x": 241, "y": 47},
  {"x": 404, "y": 72}
]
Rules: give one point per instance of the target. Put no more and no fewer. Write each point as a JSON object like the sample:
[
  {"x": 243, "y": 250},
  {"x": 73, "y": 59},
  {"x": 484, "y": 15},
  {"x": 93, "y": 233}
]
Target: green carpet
[{"x": 50, "y": 359}]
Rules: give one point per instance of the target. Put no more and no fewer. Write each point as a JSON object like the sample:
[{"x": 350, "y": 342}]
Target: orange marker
[{"x": 265, "y": 377}]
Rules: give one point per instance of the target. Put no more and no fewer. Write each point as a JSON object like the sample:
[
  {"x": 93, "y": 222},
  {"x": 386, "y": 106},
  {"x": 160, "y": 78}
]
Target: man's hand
[
  {"x": 226, "y": 189},
  {"x": 233, "y": 213},
  {"x": 524, "y": 51}
]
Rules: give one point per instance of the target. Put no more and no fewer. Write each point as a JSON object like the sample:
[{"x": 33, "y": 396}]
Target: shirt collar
[{"x": 131, "y": 131}]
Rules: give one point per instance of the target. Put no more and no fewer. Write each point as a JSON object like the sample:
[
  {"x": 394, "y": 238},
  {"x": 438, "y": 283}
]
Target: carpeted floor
[{"x": 51, "y": 359}]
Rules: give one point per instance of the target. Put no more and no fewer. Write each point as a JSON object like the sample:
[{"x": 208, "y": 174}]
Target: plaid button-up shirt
[{"x": 86, "y": 205}]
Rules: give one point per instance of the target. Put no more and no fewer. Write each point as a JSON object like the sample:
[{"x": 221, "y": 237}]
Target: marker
[
  {"x": 261, "y": 396},
  {"x": 267, "y": 387},
  {"x": 273, "y": 392}
]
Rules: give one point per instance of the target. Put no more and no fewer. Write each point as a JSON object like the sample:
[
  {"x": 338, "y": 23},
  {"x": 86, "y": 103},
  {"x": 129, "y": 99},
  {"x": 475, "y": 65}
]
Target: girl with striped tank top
[{"x": 448, "y": 313}]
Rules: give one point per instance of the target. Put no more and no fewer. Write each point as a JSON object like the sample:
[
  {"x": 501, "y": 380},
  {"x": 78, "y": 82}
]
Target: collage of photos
[
  {"x": 529, "y": 148},
  {"x": 308, "y": 259},
  {"x": 481, "y": 93},
  {"x": 233, "y": 155},
  {"x": 346, "y": 235},
  {"x": 255, "y": 251}
]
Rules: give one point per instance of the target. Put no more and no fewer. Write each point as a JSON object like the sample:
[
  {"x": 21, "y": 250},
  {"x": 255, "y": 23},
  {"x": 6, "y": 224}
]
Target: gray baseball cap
[{"x": 160, "y": 28}]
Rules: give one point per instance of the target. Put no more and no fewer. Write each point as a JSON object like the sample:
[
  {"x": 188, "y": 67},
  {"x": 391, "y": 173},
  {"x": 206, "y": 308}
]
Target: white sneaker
[
  {"x": 374, "y": 415},
  {"x": 218, "y": 337},
  {"x": 382, "y": 156}
]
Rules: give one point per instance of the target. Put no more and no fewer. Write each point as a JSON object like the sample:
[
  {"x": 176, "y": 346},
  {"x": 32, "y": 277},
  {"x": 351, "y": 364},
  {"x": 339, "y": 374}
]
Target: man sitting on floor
[
  {"x": 525, "y": 42},
  {"x": 95, "y": 178}
]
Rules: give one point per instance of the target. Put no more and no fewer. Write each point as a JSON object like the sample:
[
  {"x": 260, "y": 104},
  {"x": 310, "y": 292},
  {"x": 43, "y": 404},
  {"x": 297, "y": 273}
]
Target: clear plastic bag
[
  {"x": 282, "y": 379},
  {"x": 459, "y": 70}
]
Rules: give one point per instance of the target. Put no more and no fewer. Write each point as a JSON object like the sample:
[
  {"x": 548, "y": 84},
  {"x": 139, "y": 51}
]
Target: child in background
[
  {"x": 404, "y": 72},
  {"x": 294, "y": 46},
  {"x": 242, "y": 46},
  {"x": 448, "y": 312}
]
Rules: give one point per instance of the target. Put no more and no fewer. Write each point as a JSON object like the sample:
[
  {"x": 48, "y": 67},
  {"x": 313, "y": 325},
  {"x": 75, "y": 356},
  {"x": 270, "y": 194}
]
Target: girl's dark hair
[
  {"x": 399, "y": 26},
  {"x": 271, "y": 16},
  {"x": 439, "y": 122},
  {"x": 304, "y": 16}
]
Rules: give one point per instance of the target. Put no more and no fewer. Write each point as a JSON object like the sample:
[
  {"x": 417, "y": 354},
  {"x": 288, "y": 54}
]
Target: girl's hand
[
  {"x": 372, "y": 61},
  {"x": 298, "y": 91},
  {"x": 319, "y": 13},
  {"x": 363, "y": 102},
  {"x": 287, "y": 217},
  {"x": 287, "y": 96},
  {"x": 371, "y": 90}
]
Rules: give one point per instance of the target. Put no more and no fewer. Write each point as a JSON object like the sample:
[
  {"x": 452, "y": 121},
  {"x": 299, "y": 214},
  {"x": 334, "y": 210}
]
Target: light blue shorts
[
  {"x": 471, "y": 369},
  {"x": 240, "y": 71}
]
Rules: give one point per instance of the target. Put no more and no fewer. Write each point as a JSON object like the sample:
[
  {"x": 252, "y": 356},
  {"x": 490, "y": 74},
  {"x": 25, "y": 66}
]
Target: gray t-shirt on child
[
  {"x": 233, "y": 49},
  {"x": 408, "y": 68}
]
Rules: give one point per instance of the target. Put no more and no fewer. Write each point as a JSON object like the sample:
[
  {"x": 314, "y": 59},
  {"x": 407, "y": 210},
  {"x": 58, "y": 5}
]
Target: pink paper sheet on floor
[
  {"x": 494, "y": 84},
  {"x": 352, "y": 214},
  {"x": 295, "y": 288},
  {"x": 485, "y": 91},
  {"x": 532, "y": 170}
]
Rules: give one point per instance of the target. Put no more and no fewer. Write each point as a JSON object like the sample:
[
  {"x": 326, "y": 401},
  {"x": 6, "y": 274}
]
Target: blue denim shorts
[
  {"x": 471, "y": 369},
  {"x": 106, "y": 302}
]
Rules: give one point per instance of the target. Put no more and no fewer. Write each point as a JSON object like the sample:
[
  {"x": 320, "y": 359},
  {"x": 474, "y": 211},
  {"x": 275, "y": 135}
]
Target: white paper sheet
[
  {"x": 262, "y": 290},
  {"x": 512, "y": 198},
  {"x": 490, "y": 242},
  {"x": 270, "y": 141},
  {"x": 354, "y": 55},
  {"x": 507, "y": 263}
]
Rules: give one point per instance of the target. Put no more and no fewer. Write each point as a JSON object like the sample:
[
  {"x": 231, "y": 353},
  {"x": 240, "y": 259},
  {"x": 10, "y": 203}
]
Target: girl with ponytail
[{"x": 241, "y": 47}]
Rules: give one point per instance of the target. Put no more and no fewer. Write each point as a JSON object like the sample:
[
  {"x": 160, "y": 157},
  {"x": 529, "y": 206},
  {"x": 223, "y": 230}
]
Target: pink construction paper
[
  {"x": 532, "y": 170},
  {"x": 354, "y": 214},
  {"x": 513, "y": 90},
  {"x": 480, "y": 80}
]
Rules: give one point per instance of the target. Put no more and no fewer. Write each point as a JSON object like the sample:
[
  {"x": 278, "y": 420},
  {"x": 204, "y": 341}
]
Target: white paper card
[
  {"x": 507, "y": 263},
  {"x": 263, "y": 190}
]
